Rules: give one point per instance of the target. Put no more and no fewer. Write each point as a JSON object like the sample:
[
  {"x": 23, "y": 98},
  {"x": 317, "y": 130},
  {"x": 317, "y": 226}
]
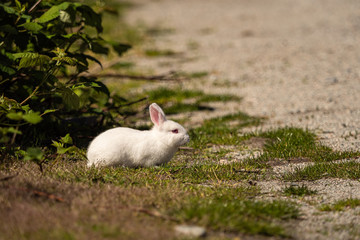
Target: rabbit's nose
[{"x": 187, "y": 139}]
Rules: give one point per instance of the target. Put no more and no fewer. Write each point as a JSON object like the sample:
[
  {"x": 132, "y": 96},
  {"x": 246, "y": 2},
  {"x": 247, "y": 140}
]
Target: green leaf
[
  {"x": 25, "y": 54},
  {"x": 32, "y": 117},
  {"x": 18, "y": 4},
  {"x": 52, "y": 13},
  {"x": 120, "y": 48},
  {"x": 33, "y": 153},
  {"x": 49, "y": 111},
  {"x": 13, "y": 130},
  {"x": 7, "y": 9},
  {"x": 34, "y": 60},
  {"x": 62, "y": 150},
  {"x": 67, "y": 139},
  {"x": 71, "y": 100},
  {"x": 32, "y": 26},
  {"x": 8, "y": 103},
  {"x": 90, "y": 17},
  {"x": 65, "y": 16},
  {"x": 16, "y": 116},
  {"x": 57, "y": 144},
  {"x": 6, "y": 69},
  {"x": 8, "y": 28},
  {"x": 99, "y": 48}
]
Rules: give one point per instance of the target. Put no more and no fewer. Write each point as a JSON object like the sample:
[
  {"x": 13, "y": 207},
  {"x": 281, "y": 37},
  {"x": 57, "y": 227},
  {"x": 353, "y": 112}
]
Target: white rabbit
[{"x": 133, "y": 148}]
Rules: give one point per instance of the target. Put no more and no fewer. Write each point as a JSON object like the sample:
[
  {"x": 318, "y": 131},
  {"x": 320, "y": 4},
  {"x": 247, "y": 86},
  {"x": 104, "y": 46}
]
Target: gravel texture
[{"x": 295, "y": 63}]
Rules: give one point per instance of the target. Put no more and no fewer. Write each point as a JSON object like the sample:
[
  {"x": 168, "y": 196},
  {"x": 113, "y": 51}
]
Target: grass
[
  {"x": 204, "y": 172},
  {"x": 165, "y": 95},
  {"x": 177, "y": 100},
  {"x": 299, "y": 191},
  {"x": 205, "y": 194},
  {"x": 222, "y": 130},
  {"x": 289, "y": 143},
  {"x": 231, "y": 213},
  {"x": 341, "y": 205},
  {"x": 345, "y": 170},
  {"x": 160, "y": 53}
]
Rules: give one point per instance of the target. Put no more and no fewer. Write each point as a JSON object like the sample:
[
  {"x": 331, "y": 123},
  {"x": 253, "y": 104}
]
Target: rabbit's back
[{"x": 117, "y": 146}]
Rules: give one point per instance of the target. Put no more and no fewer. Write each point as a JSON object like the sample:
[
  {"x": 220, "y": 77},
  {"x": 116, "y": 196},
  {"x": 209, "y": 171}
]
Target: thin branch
[
  {"x": 31, "y": 95},
  {"x": 163, "y": 77},
  {"x": 14, "y": 136},
  {"x": 34, "y": 6},
  {"x": 47, "y": 195},
  {"x": 38, "y": 193},
  {"x": 152, "y": 213},
  {"x": 134, "y": 102},
  {"x": 8, "y": 177}
]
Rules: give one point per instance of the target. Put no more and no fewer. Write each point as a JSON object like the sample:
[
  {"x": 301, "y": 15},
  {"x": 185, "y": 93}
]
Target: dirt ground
[{"x": 293, "y": 62}]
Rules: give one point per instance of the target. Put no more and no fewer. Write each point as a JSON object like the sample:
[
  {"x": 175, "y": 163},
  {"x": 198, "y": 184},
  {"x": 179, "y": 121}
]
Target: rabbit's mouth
[{"x": 185, "y": 140}]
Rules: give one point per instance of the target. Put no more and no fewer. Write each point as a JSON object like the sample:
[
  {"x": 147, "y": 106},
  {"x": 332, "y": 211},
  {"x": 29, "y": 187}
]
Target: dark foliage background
[{"x": 45, "y": 46}]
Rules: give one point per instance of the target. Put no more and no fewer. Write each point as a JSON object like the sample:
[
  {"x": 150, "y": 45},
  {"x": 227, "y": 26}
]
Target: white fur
[{"x": 133, "y": 148}]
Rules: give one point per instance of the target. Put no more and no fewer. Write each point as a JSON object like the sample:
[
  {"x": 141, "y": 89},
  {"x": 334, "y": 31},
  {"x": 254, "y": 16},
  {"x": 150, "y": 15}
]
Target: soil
[{"x": 296, "y": 63}]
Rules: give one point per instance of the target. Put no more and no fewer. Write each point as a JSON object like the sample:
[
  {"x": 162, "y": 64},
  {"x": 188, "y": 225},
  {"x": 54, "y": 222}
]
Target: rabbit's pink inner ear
[{"x": 156, "y": 117}]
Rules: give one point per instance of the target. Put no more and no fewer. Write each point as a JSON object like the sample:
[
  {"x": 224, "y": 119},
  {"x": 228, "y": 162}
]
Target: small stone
[
  {"x": 191, "y": 230},
  {"x": 332, "y": 80}
]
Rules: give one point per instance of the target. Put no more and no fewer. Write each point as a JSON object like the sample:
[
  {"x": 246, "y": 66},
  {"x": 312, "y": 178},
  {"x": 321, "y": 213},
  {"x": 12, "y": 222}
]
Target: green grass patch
[
  {"x": 160, "y": 53},
  {"x": 289, "y": 143},
  {"x": 178, "y": 100},
  {"x": 106, "y": 231},
  {"x": 341, "y": 205},
  {"x": 193, "y": 75},
  {"x": 123, "y": 65},
  {"x": 231, "y": 212},
  {"x": 164, "y": 95},
  {"x": 347, "y": 170},
  {"x": 299, "y": 191},
  {"x": 204, "y": 172},
  {"x": 222, "y": 130}
]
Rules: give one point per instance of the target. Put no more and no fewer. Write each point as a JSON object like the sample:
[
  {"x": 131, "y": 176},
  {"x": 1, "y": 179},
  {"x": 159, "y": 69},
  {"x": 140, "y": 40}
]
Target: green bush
[{"x": 45, "y": 46}]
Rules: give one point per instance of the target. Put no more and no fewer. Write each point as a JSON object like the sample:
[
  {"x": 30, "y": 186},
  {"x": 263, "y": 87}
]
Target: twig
[
  {"x": 153, "y": 213},
  {"x": 38, "y": 193},
  {"x": 34, "y": 6},
  {"x": 47, "y": 195},
  {"x": 31, "y": 95},
  {"x": 163, "y": 77},
  {"x": 8, "y": 177},
  {"x": 134, "y": 102},
  {"x": 14, "y": 135},
  {"x": 187, "y": 148}
]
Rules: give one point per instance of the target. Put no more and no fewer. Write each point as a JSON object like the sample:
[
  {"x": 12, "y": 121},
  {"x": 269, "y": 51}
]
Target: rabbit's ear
[{"x": 156, "y": 114}]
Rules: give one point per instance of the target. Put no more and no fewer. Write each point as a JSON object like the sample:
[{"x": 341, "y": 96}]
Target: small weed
[
  {"x": 298, "y": 191},
  {"x": 341, "y": 205}
]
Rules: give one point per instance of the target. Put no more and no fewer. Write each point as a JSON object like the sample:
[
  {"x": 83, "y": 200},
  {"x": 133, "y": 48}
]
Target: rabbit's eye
[{"x": 175, "y": 131}]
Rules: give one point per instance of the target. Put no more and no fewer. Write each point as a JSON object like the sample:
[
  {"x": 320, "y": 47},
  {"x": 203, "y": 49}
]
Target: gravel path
[{"x": 294, "y": 62}]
